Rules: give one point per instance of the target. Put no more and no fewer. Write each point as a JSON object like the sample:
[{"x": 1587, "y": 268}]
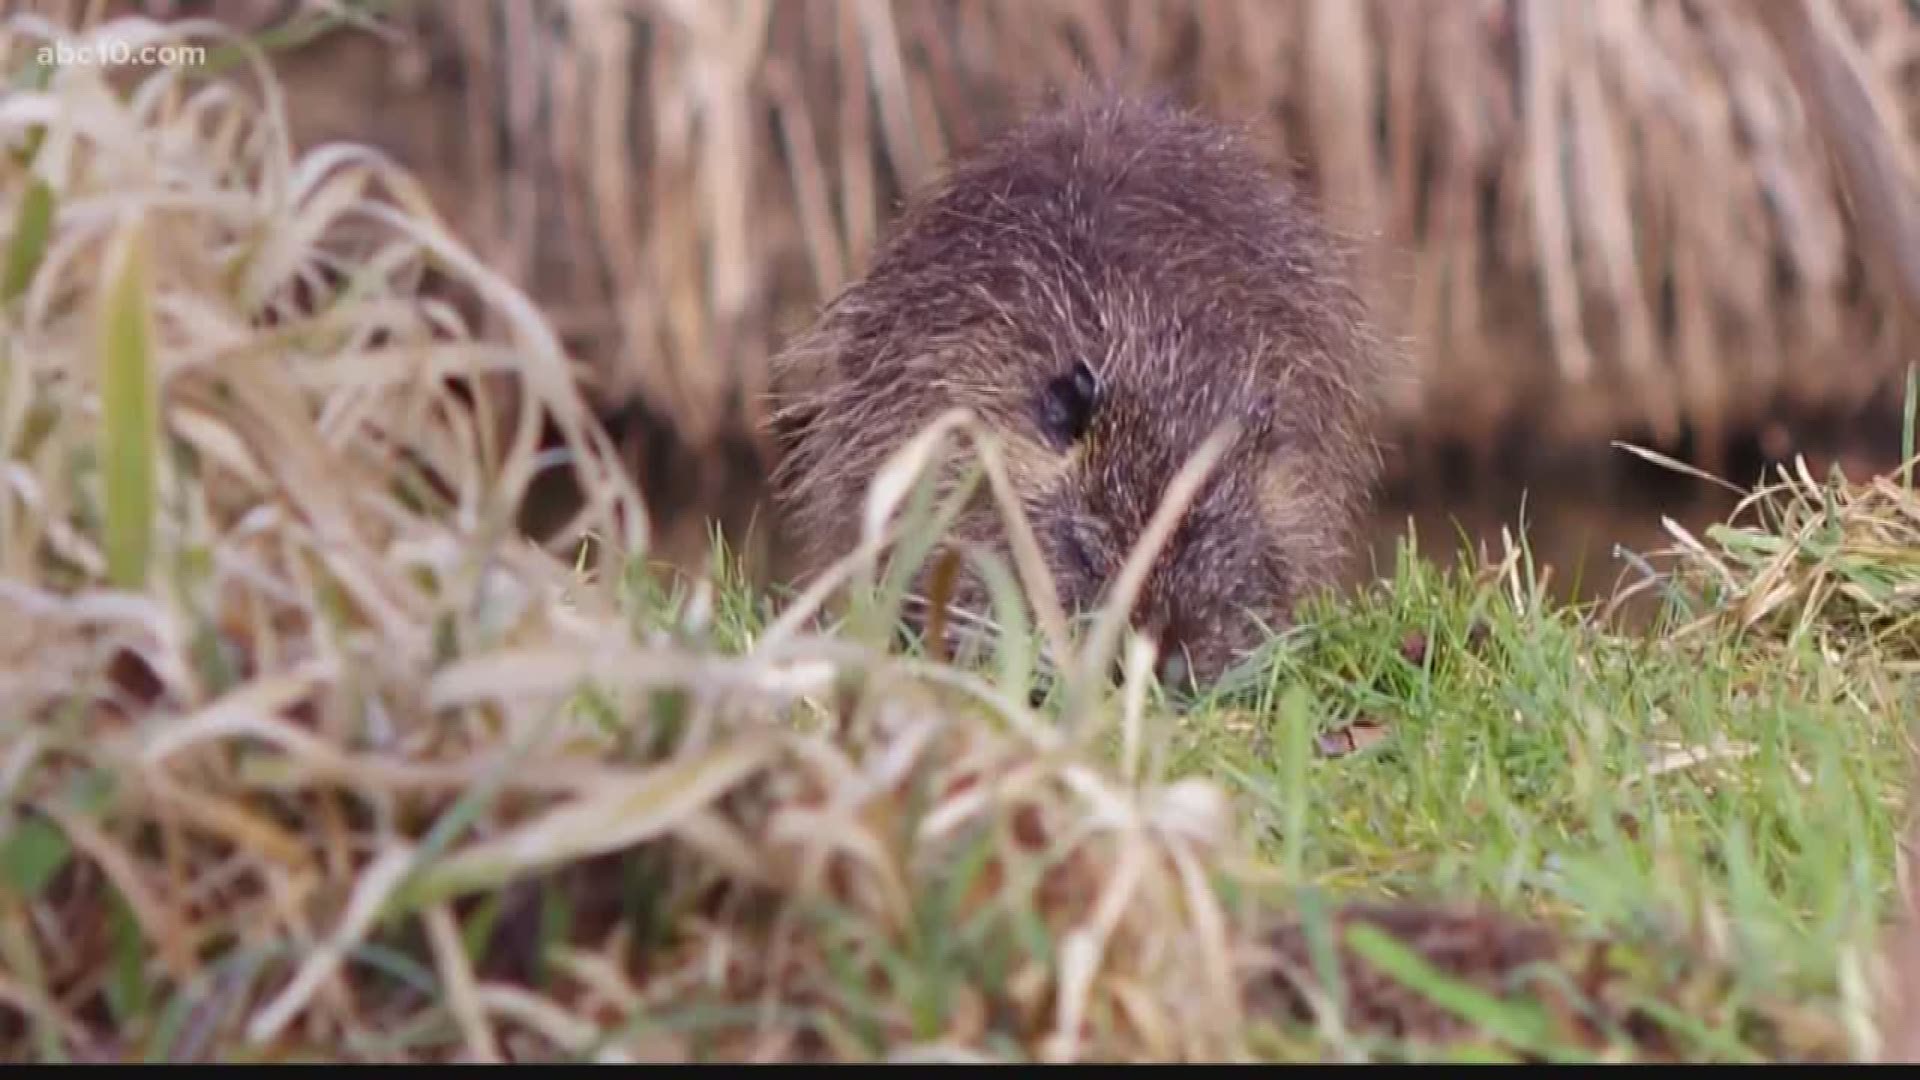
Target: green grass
[
  {"x": 1517, "y": 758},
  {"x": 1715, "y": 790}
]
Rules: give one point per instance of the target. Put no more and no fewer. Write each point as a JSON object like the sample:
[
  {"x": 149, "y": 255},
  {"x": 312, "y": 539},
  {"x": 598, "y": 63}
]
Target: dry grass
[
  {"x": 1590, "y": 219},
  {"x": 305, "y": 752},
  {"x": 1804, "y": 561}
]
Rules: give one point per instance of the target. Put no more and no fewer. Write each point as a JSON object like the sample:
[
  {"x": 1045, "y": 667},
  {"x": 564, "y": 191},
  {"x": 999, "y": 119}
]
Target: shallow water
[
  {"x": 1577, "y": 538},
  {"x": 1584, "y": 524},
  {"x": 1591, "y": 524}
]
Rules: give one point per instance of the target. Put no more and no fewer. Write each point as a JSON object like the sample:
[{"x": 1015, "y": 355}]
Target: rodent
[{"x": 1103, "y": 285}]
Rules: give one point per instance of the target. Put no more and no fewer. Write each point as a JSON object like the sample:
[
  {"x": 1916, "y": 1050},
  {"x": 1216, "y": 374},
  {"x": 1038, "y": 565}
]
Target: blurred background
[{"x": 1682, "y": 224}]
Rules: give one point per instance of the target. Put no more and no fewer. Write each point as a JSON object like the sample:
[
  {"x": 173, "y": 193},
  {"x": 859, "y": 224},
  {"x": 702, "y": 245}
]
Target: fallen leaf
[
  {"x": 1355, "y": 737},
  {"x": 1413, "y": 648}
]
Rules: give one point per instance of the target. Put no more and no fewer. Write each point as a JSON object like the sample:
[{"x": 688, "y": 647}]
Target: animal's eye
[
  {"x": 1080, "y": 553},
  {"x": 1067, "y": 404}
]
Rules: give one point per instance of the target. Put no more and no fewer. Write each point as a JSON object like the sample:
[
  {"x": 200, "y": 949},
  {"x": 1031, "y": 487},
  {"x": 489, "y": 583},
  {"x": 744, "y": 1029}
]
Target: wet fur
[{"x": 1155, "y": 246}]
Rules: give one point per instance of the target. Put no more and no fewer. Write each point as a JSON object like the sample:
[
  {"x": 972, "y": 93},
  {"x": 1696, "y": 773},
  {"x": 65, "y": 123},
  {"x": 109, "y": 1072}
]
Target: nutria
[{"x": 1106, "y": 285}]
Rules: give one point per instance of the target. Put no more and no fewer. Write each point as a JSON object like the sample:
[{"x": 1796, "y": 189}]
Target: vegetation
[
  {"x": 1589, "y": 221},
  {"x": 306, "y": 753}
]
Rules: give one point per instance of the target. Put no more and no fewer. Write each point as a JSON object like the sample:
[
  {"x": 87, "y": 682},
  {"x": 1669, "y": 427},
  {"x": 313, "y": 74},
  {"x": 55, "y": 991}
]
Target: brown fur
[{"x": 1155, "y": 246}]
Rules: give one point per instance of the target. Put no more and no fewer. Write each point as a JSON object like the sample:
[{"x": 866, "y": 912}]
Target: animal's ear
[{"x": 1067, "y": 405}]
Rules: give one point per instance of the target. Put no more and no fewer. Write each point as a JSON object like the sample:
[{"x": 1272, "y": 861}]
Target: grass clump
[{"x": 307, "y": 754}]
